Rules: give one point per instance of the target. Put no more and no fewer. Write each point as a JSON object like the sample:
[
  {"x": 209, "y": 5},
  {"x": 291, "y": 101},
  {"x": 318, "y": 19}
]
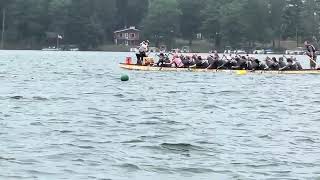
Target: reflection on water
[{"x": 67, "y": 115}]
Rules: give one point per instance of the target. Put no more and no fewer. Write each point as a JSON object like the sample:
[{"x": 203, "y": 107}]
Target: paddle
[{"x": 309, "y": 59}]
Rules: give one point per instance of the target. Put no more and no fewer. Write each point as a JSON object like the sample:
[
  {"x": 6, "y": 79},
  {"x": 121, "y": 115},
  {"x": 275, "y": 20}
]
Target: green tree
[
  {"x": 255, "y": 19},
  {"x": 122, "y": 13},
  {"x": 136, "y": 10},
  {"x": 162, "y": 21},
  {"x": 292, "y": 19},
  {"x": 85, "y": 26},
  {"x": 26, "y": 19},
  {"x": 90, "y": 23},
  {"x": 276, "y": 22},
  {"x": 310, "y": 25},
  {"x": 4, "y": 4},
  {"x": 232, "y": 25},
  {"x": 190, "y": 21},
  {"x": 317, "y": 20},
  {"x": 58, "y": 15},
  {"x": 211, "y": 21}
]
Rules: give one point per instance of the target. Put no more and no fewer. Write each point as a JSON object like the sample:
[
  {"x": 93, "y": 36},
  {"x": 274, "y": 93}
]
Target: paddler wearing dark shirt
[
  {"x": 274, "y": 65},
  {"x": 311, "y": 52},
  {"x": 291, "y": 66}
]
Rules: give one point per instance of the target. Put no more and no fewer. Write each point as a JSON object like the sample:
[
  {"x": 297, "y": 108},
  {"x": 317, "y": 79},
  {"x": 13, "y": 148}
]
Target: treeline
[
  {"x": 90, "y": 23},
  {"x": 234, "y": 22}
]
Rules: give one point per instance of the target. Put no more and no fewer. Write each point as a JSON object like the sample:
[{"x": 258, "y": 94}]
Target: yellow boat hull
[{"x": 239, "y": 72}]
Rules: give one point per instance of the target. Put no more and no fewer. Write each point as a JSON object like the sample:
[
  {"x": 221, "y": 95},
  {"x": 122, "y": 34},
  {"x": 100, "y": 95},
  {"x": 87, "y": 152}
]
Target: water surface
[{"x": 67, "y": 115}]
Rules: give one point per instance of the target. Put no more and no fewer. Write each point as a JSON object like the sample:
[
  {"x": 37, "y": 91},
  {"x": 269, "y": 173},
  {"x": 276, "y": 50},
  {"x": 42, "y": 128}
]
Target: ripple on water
[
  {"x": 80, "y": 146},
  {"x": 16, "y": 177},
  {"x": 6, "y": 159},
  {"x": 65, "y": 131},
  {"x": 37, "y": 124},
  {"x": 130, "y": 167},
  {"x": 305, "y": 140},
  {"x": 39, "y": 98},
  {"x": 69, "y": 113},
  {"x": 16, "y": 97},
  {"x": 180, "y": 147},
  {"x": 133, "y": 141},
  {"x": 119, "y": 95}
]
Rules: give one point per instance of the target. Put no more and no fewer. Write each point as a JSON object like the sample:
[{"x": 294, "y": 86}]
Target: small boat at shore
[
  {"x": 241, "y": 72},
  {"x": 51, "y": 49}
]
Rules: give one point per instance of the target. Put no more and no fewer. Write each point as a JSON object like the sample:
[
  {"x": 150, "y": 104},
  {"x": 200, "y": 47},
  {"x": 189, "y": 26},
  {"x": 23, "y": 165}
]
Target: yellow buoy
[{"x": 241, "y": 72}]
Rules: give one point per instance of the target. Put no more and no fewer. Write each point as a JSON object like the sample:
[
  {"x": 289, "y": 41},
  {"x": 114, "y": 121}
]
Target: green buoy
[{"x": 125, "y": 78}]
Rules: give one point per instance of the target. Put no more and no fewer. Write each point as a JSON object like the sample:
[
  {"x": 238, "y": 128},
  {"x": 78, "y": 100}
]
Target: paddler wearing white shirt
[{"x": 143, "y": 49}]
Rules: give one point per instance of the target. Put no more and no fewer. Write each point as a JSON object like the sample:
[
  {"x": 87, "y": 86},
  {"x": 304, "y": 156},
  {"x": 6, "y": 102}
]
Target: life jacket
[
  {"x": 274, "y": 66},
  {"x": 291, "y": 66},
  {"x": 282, "y": 64},
  {"x": 311, "y": 48}
]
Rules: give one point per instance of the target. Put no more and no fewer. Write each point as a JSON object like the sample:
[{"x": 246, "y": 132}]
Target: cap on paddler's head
[
  {"x": 306, "y": 43},
  {"x": 161, "y": 54}
]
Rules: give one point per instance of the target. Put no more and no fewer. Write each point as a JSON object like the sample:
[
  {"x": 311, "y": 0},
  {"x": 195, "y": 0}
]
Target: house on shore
[{"x": 127, "y": 36}]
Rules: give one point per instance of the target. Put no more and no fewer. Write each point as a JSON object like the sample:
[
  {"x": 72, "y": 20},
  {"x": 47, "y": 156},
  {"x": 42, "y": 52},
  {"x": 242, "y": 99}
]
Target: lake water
[{"x": 67, "y": 115}]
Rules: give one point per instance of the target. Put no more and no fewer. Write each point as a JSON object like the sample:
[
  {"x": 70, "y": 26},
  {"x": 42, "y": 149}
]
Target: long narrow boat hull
[{"x": 152, "y": 68}]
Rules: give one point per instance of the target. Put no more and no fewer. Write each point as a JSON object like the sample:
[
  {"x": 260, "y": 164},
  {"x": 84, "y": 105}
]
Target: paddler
[
  {"x": 258, "y": 65},
  {"x": 187, "y": 61},
  {"x": 177, "y": 61},
  {"x": 282, "y": 64},
  {"x": 291, "y": 66},
  {"x": 268, "y": 62},
  {"x": 216, "y": 55},
  {"x": 162, "y": 60},
  {"x": 311, "y": 52},
  {"x": 298, "y": 64},
  {"x": 143, "y": 49},
  {"x": 274, "y": 65},
  {"x": 201, "y": 63},
  {"x": 241, "y": 63},
  {"x": 226, "y": 63},
  {"x": 137, "y": 54},
  {"x": 213, "y": 61}
]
